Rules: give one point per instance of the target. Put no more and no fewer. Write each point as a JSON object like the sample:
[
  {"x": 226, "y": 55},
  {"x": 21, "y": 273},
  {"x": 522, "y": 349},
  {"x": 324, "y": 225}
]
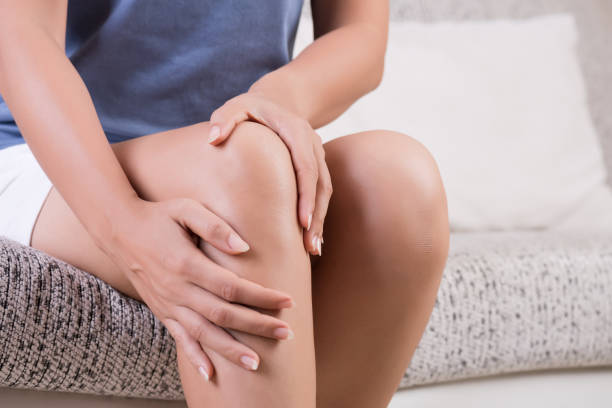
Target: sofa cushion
[
  {"x": 594, "y": 19},
  {"x": 501, "y": 105},
  {"x": 507, "y": 302},
  {"x": 519, "y": 301},
  {"x": 63, "y": 329}
]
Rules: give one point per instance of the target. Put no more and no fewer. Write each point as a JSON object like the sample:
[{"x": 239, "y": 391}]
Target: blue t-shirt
[{"x": 156, "y": 65}]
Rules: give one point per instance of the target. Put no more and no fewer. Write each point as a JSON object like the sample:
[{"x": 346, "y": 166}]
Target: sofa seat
[
  {"x": 508, "y": 302},
  {"x": 519, "y": 301}
]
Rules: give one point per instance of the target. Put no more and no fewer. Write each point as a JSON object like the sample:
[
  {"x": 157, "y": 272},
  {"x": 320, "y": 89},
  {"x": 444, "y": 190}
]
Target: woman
[{"x": 183, "y": 169}]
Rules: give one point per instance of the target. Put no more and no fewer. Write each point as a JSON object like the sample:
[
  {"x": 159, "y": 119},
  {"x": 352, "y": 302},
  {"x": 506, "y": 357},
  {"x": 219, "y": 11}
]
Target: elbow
[
  {"x": 378, "y": 51},
  {"x": 375, "y": 74},
  {"x": 378, "y": 73}
]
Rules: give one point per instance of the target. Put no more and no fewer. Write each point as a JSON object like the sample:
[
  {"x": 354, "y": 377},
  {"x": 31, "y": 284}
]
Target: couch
[{"x": 509, "y": 301}]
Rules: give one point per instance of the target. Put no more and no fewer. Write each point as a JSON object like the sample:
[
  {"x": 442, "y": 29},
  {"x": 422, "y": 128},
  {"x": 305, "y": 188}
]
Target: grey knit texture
[
  {"x": 519, "y": 301},
  {"x": 63, "y": 329},
  {"x": 508, "y": 302}
]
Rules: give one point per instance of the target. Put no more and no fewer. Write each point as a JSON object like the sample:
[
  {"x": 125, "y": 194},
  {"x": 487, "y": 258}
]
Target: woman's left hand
[{"x": 306, "y": 149}]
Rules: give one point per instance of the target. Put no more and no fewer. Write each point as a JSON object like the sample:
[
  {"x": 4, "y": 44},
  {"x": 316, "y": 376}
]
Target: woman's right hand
[{"x": 155, "y": 245}]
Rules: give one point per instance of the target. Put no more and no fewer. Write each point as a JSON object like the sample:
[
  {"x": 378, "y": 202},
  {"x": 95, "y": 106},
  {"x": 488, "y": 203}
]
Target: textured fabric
[
  {"x": 63, "y": 329},
  {"x": 519, "y": 301},
  {"x": 156, "y": 65},
  {"x": 508, "y": 302}
]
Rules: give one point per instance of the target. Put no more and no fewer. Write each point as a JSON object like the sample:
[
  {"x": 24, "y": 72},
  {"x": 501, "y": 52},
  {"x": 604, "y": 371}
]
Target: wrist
[
  {"x": 281, "y": 87},
  {"x": 107, "y": 225}
]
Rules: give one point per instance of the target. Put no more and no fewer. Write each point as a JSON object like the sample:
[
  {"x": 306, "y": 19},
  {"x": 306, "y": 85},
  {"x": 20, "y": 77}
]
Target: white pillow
[{"x": 501, "y": 105}]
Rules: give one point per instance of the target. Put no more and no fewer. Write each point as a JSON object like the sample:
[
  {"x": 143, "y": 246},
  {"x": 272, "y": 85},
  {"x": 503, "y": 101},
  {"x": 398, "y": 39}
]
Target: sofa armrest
[{"x": 64, "y": 329}]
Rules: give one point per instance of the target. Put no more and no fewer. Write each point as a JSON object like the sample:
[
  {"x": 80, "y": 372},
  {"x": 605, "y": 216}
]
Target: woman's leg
[
  {"x": 386, "y": 242},
  {"x": 248, "y": 181}
]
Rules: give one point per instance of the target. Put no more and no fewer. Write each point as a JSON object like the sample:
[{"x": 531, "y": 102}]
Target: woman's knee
[
  {"x": 257, "y": 177},
  {"x": 248, "y": 180},
  {"x": 248, "y": 177},
  {"x": 260, "y": 166},
  {"x": 403, "y": 200}
]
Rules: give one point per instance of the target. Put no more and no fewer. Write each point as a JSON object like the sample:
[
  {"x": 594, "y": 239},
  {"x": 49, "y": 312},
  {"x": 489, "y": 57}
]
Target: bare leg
[
  {"x": 386, "y": 239},
  {"x": 386, "y": 243},
  {"x": 248, "y": 181}
]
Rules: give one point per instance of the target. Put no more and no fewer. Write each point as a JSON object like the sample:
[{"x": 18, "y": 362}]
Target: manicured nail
[
  {"x": 287, "y": 303},
  {"x": 283, "y": 333},
  {"x": 319, "y": 245},
  {"x": 235, "y": 242},
  {"x": 309, "y": 221},
  {"x": 204, "y": 373},
  {"x": 214, "y": 134},
  {"x": 314, "y": 242},
  {"x": 250, "y": 363}
]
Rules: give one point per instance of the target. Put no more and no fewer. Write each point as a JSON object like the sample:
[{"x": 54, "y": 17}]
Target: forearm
[
  {"x": 330, "y": 74},
  {"x": 57, "y": 118}
]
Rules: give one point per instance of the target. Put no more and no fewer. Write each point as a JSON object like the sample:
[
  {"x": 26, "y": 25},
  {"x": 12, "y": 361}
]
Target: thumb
[{"x": 222, "y": 123}]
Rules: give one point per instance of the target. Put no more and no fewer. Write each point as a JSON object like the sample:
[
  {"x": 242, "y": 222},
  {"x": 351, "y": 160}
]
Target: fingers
[
  {"x": 306, "y": 173},
  {"x": 294, "y": 131},
  {"x": 211, "y": 228},
  {"x": 314, "y": 236},
  {"x": 202, "y": 272},
  {"x": 223, "y": 121},
  {"x": 236, "y": 316},
  {"x": 191, "y": 347},
  {"x": 215, "y": 338}
]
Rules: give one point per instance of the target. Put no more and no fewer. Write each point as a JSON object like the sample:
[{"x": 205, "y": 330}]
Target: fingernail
[
  {"x": 204, "y": 373},
  {"x": 319, "y": 245},
  {"x": 309, "y": 221},
  {"x": 313, "y": 242},
  {"x": 287, "y": 303},
  {"x": 283, "y": 333},
  {"x": 250, "y": 363},
  {"x": 235, "y": 242},
  {"x": 214, "y": 134}
]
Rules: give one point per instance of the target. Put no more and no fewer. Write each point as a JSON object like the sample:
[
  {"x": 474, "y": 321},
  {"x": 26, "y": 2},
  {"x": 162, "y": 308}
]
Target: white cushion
[{"x": 501, "y": 105}]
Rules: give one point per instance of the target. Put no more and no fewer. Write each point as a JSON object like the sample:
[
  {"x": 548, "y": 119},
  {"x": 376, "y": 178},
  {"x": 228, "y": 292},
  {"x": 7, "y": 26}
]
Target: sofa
[{"x": 517, "y": 302}]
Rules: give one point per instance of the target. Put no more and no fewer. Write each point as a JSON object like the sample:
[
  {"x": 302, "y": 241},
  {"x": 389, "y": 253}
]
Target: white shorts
[{"x": 24, "y": 186}]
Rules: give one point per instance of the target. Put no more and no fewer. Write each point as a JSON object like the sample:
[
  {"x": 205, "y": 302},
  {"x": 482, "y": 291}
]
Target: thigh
[
  {"x": 59, "y": 232},
  {"x": 248, "y": 181},
  {"x": 159, "y": 166}
]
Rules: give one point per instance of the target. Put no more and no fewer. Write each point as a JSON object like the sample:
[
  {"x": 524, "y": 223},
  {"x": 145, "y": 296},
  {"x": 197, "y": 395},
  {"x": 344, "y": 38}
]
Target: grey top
[{"x": 156, "y": 65}]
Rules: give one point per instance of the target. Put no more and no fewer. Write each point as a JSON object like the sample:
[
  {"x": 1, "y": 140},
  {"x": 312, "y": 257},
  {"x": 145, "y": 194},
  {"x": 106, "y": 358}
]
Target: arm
[
  {"x": 57, "y": 118},
  {"x": 345, "y": 61},
  {"x": 56, "y": 115}
]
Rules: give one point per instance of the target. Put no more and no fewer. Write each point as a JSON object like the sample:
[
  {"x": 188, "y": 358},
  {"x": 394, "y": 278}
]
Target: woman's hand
[
  {"x": 307, "y": 153},
  {"x": 156, "y": 245}
]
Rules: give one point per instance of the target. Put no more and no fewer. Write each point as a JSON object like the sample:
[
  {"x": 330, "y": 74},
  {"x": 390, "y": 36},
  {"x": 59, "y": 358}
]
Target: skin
[{"x": 154, "y": 230}]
